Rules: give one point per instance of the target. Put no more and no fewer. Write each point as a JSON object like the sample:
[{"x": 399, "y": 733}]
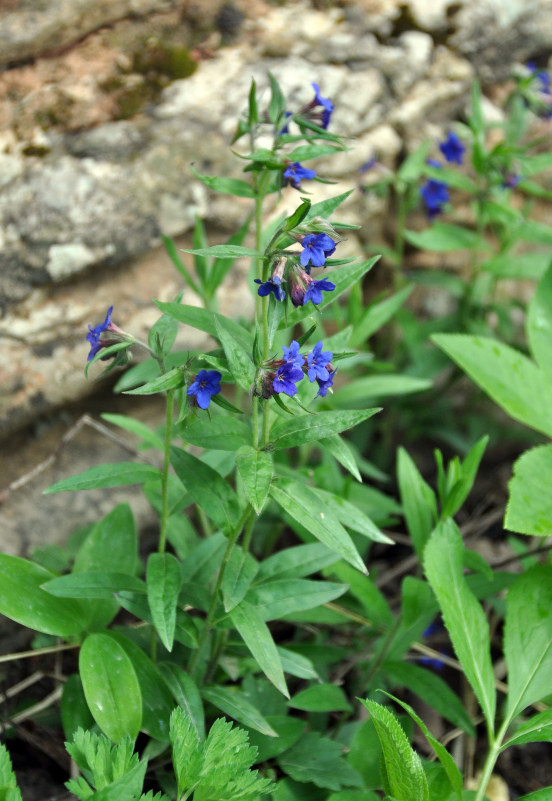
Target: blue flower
[
  {"x": 285, "y": 129},
  {"x": 452, "y": 149},
  {"x": 93, "y": 336},
  {"x": 541, "y": 104},
  {"x": 368, "y": 165},
  {"x": 315, "y": 289},
  {"x": 434, "y": 193},
  {"x": 294, "y": 173},
  {"x": 286, "y": 379},
  {"x": 325, "y": 103},
  {"x": 325, "y": 384},
  {"x": 207, "y": 383},
  {"x": 272, "y": 285},
  {"x": 292, "y": 355},
  {"x": 317, "y": 361},
  {"x": 316, "y": 247}
]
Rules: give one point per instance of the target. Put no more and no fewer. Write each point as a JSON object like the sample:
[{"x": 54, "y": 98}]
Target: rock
[{"x": 431, "y": 16}]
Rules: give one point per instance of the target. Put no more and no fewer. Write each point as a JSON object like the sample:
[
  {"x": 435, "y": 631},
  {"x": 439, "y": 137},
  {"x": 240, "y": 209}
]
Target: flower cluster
[
  {"x": 206, "y": 384},
  {"x": 283, "y": 375},
  {"x": 296, "y": 273},
  {"x": 434, "y": 193}
]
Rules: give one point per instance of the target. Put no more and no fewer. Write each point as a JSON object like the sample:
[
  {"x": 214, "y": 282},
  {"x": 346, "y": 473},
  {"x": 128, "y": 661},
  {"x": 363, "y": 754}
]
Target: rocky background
[{"x": 104, "y": 104}]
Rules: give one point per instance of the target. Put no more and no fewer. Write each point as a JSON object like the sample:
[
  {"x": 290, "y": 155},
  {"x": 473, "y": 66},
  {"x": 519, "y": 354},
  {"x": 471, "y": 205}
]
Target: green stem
[
  {"x": 399, "y": 240},
  {"x": 255, "y": 416},
  {"x": 490, "y": 762},
  {"x": 232, "y": 539},
  {"x": 165, "y": 474}
]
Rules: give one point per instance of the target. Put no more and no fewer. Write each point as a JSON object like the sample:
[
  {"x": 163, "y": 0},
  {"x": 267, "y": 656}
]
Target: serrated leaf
[
  {"x": 528, "y": 638},
  {"x": 107, "y": 475},
  {"x": 305, "y": 507},
  {"x": 255, "y": 469},
  {"x": 22, "y": 599},
  {"x": 235, "y": 704},
  {"x": 163, "y": 580},
  {"x": 256, "y": 635},
  {"x": 463, "y": 616},
  {"x": 9, "y": 790},
  {"x": 307, "y": 428},
  {"x": 111, "y": 687},
  {"x": 405, "y": 777}
]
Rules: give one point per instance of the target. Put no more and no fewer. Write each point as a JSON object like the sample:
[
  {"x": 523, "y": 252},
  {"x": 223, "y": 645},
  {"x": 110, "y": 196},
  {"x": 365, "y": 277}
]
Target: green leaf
[
  {"x": 174, "y": 379},
  {"x": 442, "y": 237},
  {"x": 256, "y": 635},
  {"x": 536, "y": 729},
  {"x": 226, "y": 186},
  {"x": 253, "y": 112},
  {"x": 304, "y": 506},
  {"x": 306, "y": 152},
  {"x": 376, "y": 315},
  {"x": 453, "y": 178},
  {"x": 107, "y": 475},
  {"x": 204, "y": 320},
  {"x": 352, "y": 517},
  {"x": 239, "y": 360},
  {"x": 221, "y": 432},
  {"x": 462, "y": 488},
  {"x": 539, "y": 795},
  {"x": 225, "y": 252},
  {"x": 505, "y": 374},
  {"x": 199, "y": 240},
  {"x": 415, "y": 163},
  {"x": 539, "y": 323},
  {"x": 404, "y": 776},
  {"x": 255, "y": 469},
  {"x": 241, "y": 569},
  {"x": 93, "y": 584},
  {"x": 75, "y": 713},
  {"x": 342, "y": 451},
  {"x": 530, "y": 265},
  {"x": 448, "y": 763},
  {"x": 277, "y": 105},
  {"x": 301, "y": 560},
  {"x": 298, "y": 215},
  {"x": 463, "y": 616},
  {"x": 418, "y": 500},
  {"x": 297, "y": 665},
  {"x": 163, "y": 582},
  {"x": 307, "y": 428},
  {"x": 382, "y": 386},
  {"x": 162, "y": 335},
  {"x": 221, "y": 267},
  {"x": 529, "y": 508},
  {"x": 275, "y": 599},
  {"x": 325, "y": 208},
  {"x": 375, "y": 607},
  {"x": 9, "y": 790},
  {"x": 185, "y": 692},
  {"x": 288, "y": 731},
  {"x": 111, "y": 687},
  {"x": 321, "y": 698},
  {"x": 22, "y": 599},
  {"x": 433, "y": 690},
  {"x": 207, "y": 488},
  {"x": 180, "y": 266},
  {"x": 149, "y": 438},
  {"x": 234, "y": 703},
  {"x": 319, "y": 760},
  {"x": 343, "y": 278},
  {"x": 528, "y": 638}
]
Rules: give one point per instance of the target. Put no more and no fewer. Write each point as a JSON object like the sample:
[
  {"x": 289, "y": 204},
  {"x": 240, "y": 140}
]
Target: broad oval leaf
[
  {"x": 22, "y": 599},
  {"x": 111, "y": 687}
]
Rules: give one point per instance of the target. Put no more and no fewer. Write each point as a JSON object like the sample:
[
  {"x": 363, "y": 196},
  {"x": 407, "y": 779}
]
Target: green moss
[
  {"x": 167, "y": 61},
  {"x": 36, "y": 150}
]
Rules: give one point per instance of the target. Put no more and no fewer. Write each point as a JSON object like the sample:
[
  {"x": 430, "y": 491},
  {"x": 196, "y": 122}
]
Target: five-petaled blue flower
[
  {"x": 272, "y": 285},
  {"x": 452, "y": 149},
  {"x": 292, "y": 355},
  {"x": 324, "y": 385},
  {"x": 315, "y": 289},
  {"x": 286, "y": 379},
  {"x": 317, "y": 362},
  {"x": 294, "y": 173},
  {"x": 325, "y": 102},
  {"x": 316, "y": 247},
  {"x": 434, "y": 193},
  {"x": 207, "y": 383},
  {"x": 93, "y": 336}
]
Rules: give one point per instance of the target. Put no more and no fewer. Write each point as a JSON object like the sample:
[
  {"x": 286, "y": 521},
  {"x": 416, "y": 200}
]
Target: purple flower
[
  {"x": 315, "y": 289},
  {"x": 435, "y": 194},
  {"x": 325, "y": 384},
  {"x": 207, "y": 383},
  {"x": 317, "y": 361},
  {"x": 272, "y": 285},
  {"x": 325, "y": 103},
  {"x": 93, "y": 336},
  {"x": 452, "y": 149},
  {"x": 316, "y": 247},
  {"x": 292, "y": 355},
  {"x": 294, "y": 173},
  {"x": 286, "y": 379},
  {"x": 511, "y": 180},
  {"x": 368, "y": 165}
]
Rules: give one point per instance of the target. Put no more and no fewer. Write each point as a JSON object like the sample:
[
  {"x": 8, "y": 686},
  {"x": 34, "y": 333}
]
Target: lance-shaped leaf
[
  {"x": 305, "y": 506},
  {"x": 226, "y": 186},
  {"x": 418, "y": 500},
  {"x": 174, "y": 379},
  {"x": 93, "y": 584},
  {"x": 463, "y": 615},
  {"x": 275, "y": 599},
  {"x": 221, "y": 432},
  {"x": 239, "y": 360},
  {"x": 528, "y": 638},
  {"x": 207, "y": 488},
  {"x": 107, "y": 475},
  {"x": 236, "y": 704},
  {"x": 111, "y": 687},
  {"x": 376, "y": 315},
  {"x": 255, "y": 469},
  {"x": 203, "y": 320},
  {"x": 225, "y": 251},
  {"x": 539, "y": 323},
  {"x": 164, "y": 581},
  {"x": 536, "y": 729},
  {"x": 307, "y": 428},
  {"x": 321, "y": 698},
  {"x": 186, "y": 694},
  {"x": 241, "y": 569},
  {"x": 256, "y": 635}
]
